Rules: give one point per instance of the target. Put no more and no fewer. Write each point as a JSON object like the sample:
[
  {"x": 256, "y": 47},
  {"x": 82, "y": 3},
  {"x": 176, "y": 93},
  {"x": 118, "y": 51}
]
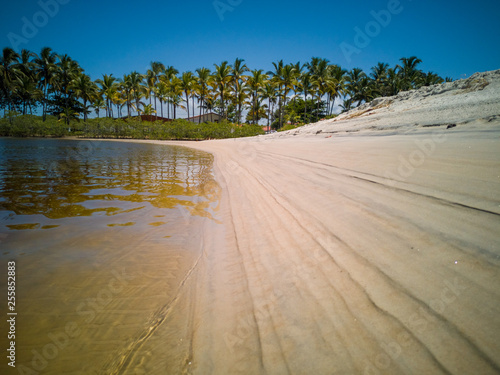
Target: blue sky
[{"x": 453, "y": 38}]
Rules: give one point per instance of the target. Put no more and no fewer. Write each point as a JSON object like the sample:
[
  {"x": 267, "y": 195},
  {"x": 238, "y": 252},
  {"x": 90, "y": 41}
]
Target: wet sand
[
  {"x": 101, "y": 234},
  {"x": 369, "y": 253},
  {"x": 332, "y": 253},
  {"x": 326, "y": 265}
]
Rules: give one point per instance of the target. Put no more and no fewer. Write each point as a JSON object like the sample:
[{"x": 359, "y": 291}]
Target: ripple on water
[{"x": 100, "y": 232}]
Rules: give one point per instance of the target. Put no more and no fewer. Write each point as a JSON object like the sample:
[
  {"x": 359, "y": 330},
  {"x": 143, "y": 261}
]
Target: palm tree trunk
[
  {"x": 128, "y": 104},
  {"x": 187, "y": 103},
  {"x": 201, "y": 108},
  {"x": 84, "y": 110},
  {"x": 317, "y": 113},
  {"x": 44, "y": 106},
  {"x": 192, "y": 102},
  {"x": 156, "y": 112},
  {"x": 269, "y": 116},
  {"x": 281, "y": 113},
  {"x": 305, "y": 105},
  {"x": 252, "y": 108},
  {"x": 224, "y": 113}
]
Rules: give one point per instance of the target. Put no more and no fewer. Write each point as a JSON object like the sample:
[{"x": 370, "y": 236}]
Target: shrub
[{"x": 33, "y": 126}]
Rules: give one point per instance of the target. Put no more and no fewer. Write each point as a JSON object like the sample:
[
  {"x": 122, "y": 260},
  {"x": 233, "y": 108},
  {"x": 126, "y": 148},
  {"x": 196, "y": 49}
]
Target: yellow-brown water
[{"x": 102, "y": 234}]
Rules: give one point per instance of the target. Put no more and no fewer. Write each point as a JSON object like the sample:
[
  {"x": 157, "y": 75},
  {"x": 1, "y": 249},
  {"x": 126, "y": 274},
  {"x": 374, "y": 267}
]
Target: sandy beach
[{"x": 368, "y": 244}]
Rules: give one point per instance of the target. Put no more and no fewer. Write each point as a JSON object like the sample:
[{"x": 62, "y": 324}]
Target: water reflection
[{"x": 67, "y": 178}]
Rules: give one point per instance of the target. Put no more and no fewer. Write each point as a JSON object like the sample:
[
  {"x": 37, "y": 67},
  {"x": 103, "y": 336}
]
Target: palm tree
[
  {"x": 353, "y": 85},
  {"x": 149, "y": 79},
  {"x": 379, "y": 75},
  {"x": 67, "y": 70},
  {"x": 148, "y": 110},
  {"x": 409, "y": 72},
  {"x": 161, "y": 92},
  {"x": 119, "y": 99},
  {"x": 27, "y": 91},
  {"x": 269, "y": 93},
  {"x": 335, "y": 85},
  {"x": 305, "y": 86},
  {"x": 187, "y": 82},
  {"x": 277, "y": 78},
  {"x": 430, "y": 78},
  {"x": 126, "y": 87},
  {"x": 238, "y": 79},
  {"x": 136, "y": 80},
  {"x": 238, "y": 99},
  {"x": 156, "y": 69},
  {"x": 287, "y": 81},
  {"x": 98, "y": 103},
  {"x": 319, "y": 70},
  {"x": 8, "y": 74},
  {"x": 46, "y": 71},
  {"x": 108, "y": 88},
  {"x": 168, "y": 74},
  {"x": 221, "y": 78},
  {"x": 297, "y": 87},
  {"x": 347, "y": 104},
  {"x": 366, "y": 90},
  {"x": 24, "y": 86},
  {"x": 257, "y": 111},
  {"x": 175, "y": 94},
  {"x": 202, "y": 89},
  {"x": 393, "y": 85},
  {"x": 255, "y": 83},
  {"x": 84, "y": 89},
  {"x": 209, "y": 103}
]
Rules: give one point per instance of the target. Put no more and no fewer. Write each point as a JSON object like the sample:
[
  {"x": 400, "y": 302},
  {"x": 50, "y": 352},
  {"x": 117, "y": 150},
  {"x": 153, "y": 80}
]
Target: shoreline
[
  {"x": 360, "y": 253},
  {"x": 367, "y": 252},
  {"x": 319, "y": 230}
]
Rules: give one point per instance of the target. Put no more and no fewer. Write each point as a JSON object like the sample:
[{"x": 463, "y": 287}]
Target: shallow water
[{"x": 102, "y": 233}]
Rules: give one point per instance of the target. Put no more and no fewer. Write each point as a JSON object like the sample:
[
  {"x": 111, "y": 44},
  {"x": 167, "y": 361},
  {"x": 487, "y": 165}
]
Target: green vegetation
[
  {"x": 34, "y": 126},
  {"x": 57, "y": 87},
  {"x": 300, "y": 112}
]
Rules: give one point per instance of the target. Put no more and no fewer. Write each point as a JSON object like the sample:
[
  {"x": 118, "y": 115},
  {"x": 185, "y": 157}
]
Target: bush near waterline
[{"x": 133, "y": 128}]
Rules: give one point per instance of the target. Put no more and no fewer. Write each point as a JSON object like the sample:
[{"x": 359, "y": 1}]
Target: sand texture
[
  {"x": 369, "y": 253},
  {"x": 367, "y": 244}
]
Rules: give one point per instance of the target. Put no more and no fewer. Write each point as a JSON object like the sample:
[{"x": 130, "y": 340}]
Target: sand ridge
[
  {"x": 369, "y": 253},
  {"x": 367, "y": 244}
]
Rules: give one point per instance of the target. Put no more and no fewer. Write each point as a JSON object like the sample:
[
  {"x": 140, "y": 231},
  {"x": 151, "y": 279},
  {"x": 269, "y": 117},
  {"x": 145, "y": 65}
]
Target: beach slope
[{"x": 367, "y": 244}]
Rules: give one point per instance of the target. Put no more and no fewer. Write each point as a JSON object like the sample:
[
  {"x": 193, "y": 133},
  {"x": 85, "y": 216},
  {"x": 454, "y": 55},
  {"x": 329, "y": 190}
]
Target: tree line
[{"x": 58, "y": 86}]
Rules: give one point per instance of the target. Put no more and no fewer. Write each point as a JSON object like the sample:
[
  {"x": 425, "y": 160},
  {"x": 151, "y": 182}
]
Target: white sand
[
  {"x": 369, "y": 253},
  {"x": 373, "y": 252}
]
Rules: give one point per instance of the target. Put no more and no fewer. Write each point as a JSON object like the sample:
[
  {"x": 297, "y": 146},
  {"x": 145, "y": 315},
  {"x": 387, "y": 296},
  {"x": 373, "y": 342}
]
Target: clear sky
[{"x": 453, "y": 38}]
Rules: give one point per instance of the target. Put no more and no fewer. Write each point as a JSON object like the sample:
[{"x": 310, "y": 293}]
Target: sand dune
[{"x": 369, "y": 253}]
